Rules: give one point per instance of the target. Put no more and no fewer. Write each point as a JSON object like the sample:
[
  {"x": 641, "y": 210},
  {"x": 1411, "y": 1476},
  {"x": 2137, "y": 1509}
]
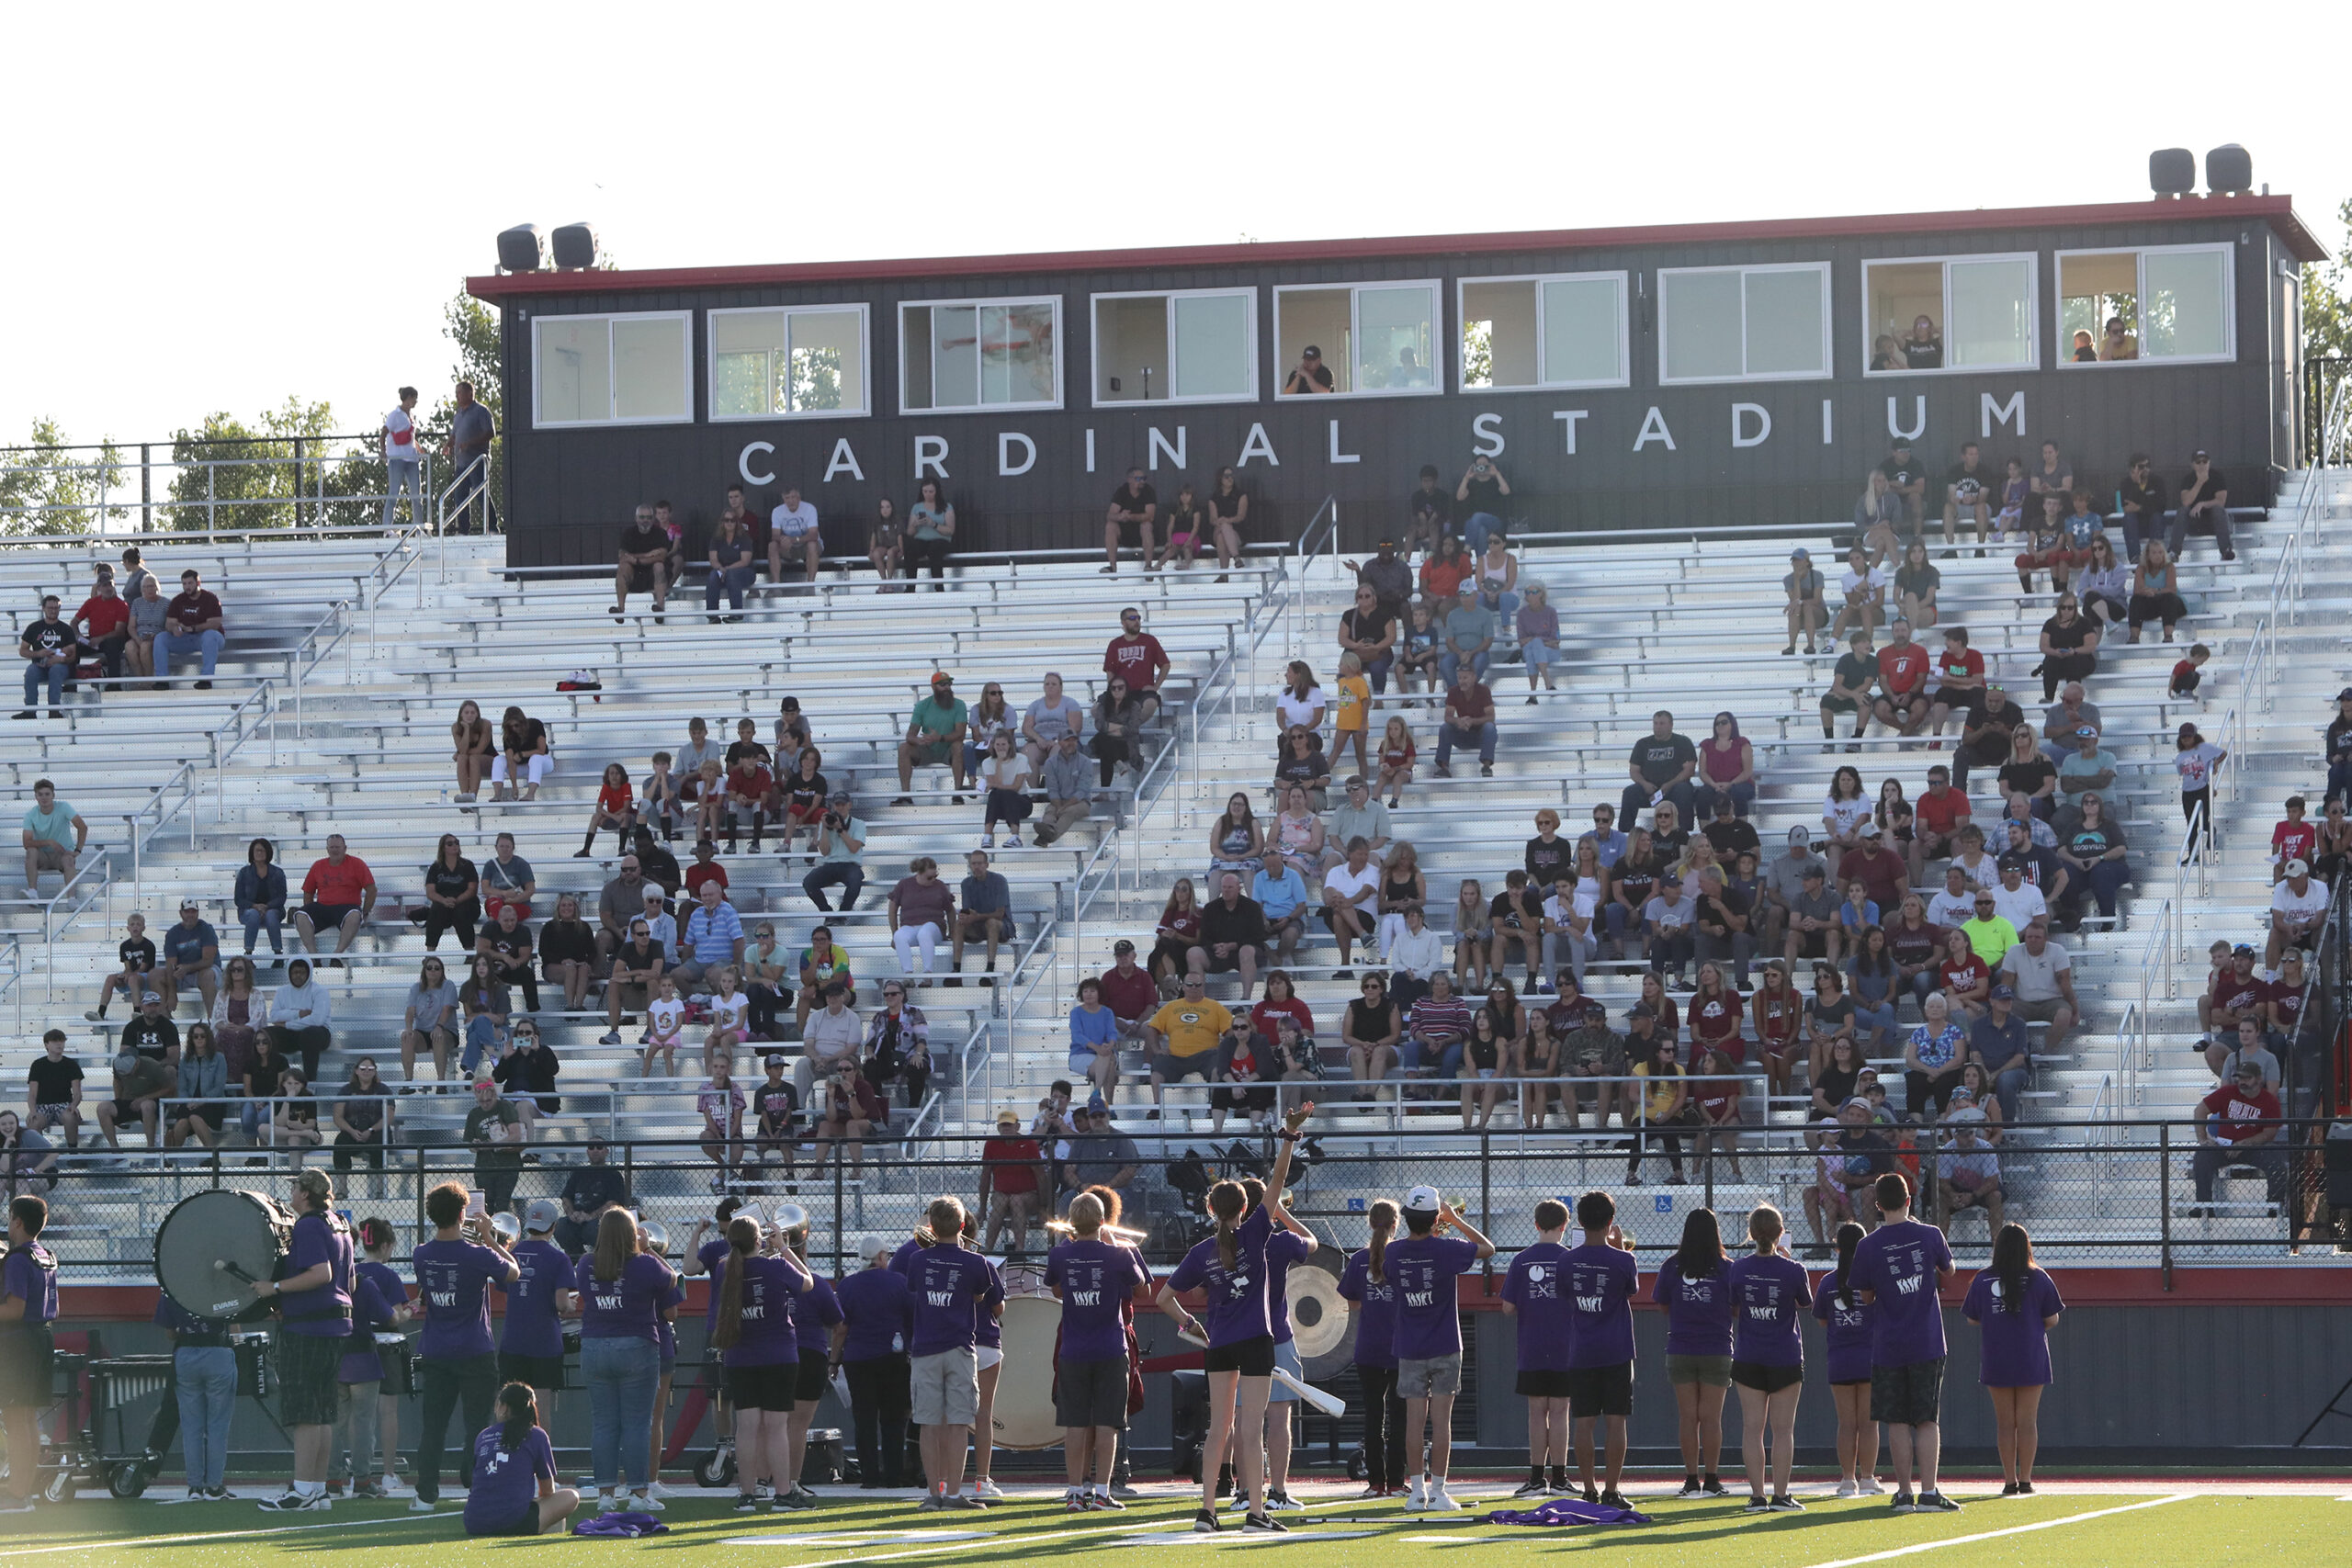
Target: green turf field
[{"x": 2128, "y": 1529}]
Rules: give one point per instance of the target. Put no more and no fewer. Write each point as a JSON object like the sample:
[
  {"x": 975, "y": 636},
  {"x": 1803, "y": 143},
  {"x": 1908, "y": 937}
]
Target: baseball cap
[
  {"x": 941, "y": 678},
  {"x": 1969, "y": 1115},
  {"x": 1122, "y": 946},
  {"x": 1853, "y": 1100},
  {"x": 2198, "y": 455},
  {"x": 484, "y": 1083},
  {"x": 2011, "y": 861},
  {"x": 1008, "y": 1117},
  {"x": 1815, "y": 871},
  {"x": 2082, "y": 729},
  {"x": 151, "y": 997},
  {"x": 1867, "y": 830},
  {"x": 1799, "y": 835},
  {"x": 1641, "y": 1010},
  {"x": 2005, "y": 993},
  {"x": 2299, "y": 868},
  {"x": 190, "y": 904},
  {"x": 1900, "y": 444},
  {"x": 775, "y": 1059},
  {"x": 1669, "y": 880},
  {"x": 1422, "y": 1199},
  {"x": 1384, "y": 543},
  {"x": 540, "y": 1216},
  {"x": 1594, "y": 1008},
  {"x": 839, "y": 797},
  {"x": 2345, "y": 696},
  {"x": 1096, "y": 1102},
  {"x": 1800, "y": 554}
]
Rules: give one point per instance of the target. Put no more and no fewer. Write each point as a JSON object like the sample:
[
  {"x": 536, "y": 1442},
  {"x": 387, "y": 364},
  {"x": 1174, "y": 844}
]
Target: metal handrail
[
  {"x": 306, "y": 455},
  {"x": 12, "y": 966}
]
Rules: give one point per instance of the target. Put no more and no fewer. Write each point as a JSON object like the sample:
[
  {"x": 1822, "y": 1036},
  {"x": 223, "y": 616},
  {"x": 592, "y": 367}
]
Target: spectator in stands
[
  {"x": 801, "y": 790},
  {"x": 1094, "y": 1037},
  {"x": 840, "y": 837},
  {"x": 1473, "y": 932},
  {"x": 1134, "y": 504},
  {"x": 1118, "y": 723},
  {"x": 636, "y": 966},
  {"x": 1469, "y": 634},
  {"x": 1916, "y": 582},
  {"x": 2155, "y": 591},
  {"x": 1351, "y": 903},
  {"x": 2015, "y": 900},
  {"x": 52, "y": 651},
  {"x": 1960, "y": 681},
  {"x": 1390, "y": 580},
  {"x": 53, "y": 835},
  {"x": 2204, "y": 501},
  {"x": 1661, "y": 767},
  {"x": 1863, "y": 586},
  {"x": 300, "y": 1013},
  {"x": 451, "y": 901},
  {"x": 764, "y": 971},
  {"x": 1727, "y": 770},
  {"x": 2239, "y": 1125},
  {"x": 53, "y": 1089},
  {"x": 1351, "y": 712},
  {"x": 1187, "y": 521},
  {"x": 2042, "y": 974},
  {"x": 1470, "y": 720},
  {"x": 750, "y": 792},
  {"x": 930, "y": 533},
  {"x": 1932, "y": 1058},
  {"x": 1068, "y": 793},
  {"x": 1303, "y": 775},
  {"x": 2104, "y": 583},
  {"x": 2250, "y": 1047},
  {"x": 2088, "y": 767},
  {"x": 821, "y": 964},
  {"x": 588, "y": 1191},
  {"x": 1939, "y": 816},
  {"x": 239, "y": 1013},
  {"x": 2055, "y": 477},
  {"x": 643, "y": 565},
  {"x": 2298, "y": 909},
  {"x": 937, "y": 730},
  {"x": 2046, "y": 548},
  {"x": 1997, "y": 1044},
  {"x": 1370, "y": 1031},
  {"x": 1806, "y": 612},
  {"x": 1370, "y": 632},
  {"x": 476, "y": 748},
  {"x": 527, "y": 1073},
  {"x": 150, "y": 611},
  {"x": 1297, "y": 833},
  {"x": 621, "y": 901},
  {"x": 1783, "y": 880},
  {"x": 1671, "y": 918},
  {"x": 524, "y": 758},
  {"x": 984, "y": 914},
  {"x": 1963, "y": 978},
  {"x": 1130, "y": 991},
  {"x": 2141, "y": 503},
  {"x": 507, "y": 878},
  {"x": 988, "y": 718},
  {"x": 886, "y": 546},
  {"x": 1968, "y": 1174},
  {"x": 2069, "y": 646},
  {"x": 191, "y": 953},
  {"x": 733, "y": 567},
  {"x": 1478, "y": 502},
  {"x": 1877, "y": 867},
  {"x": 1050, "y": 719},
  {"x": 792, "y": 531},
  {"x": 1902, "y": 703},
  {"x": 2235, "y": 992},
  {"x": 1233, "y": 934},
  {"x": 713, "y": 939},
  {"x": 487, "y": 1007},
  {"x": 102, "y": 624},
  {"x": 1849, "y": 688},
  {"x": 1228, "y": 513},
  {"x": 1183, "y": 1038},
  {"x": 922, "y": 911},
  {"x": 192, "y": 624},
  {"x": 829, "y": 1039},
  {"x": 1877, "y": 517},
  {"x": 430, "y": 1021},
  {"x": 2196, "y": 760},
  {"x": 1280, "y": 891},
  {"x": 1721, "y": 933},
  {"x": 1968, "y": 487},
  {"x": 2092, "y": 848}
]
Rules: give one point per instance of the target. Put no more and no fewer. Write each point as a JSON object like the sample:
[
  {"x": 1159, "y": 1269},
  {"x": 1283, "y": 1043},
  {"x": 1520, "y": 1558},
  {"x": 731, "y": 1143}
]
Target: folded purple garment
[
  {"x": 1568, "y": 1511},
  {"x": 620, "y": 1526}
]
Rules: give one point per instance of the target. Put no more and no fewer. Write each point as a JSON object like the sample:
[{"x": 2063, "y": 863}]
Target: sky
[{"x": 217, "y": 209}]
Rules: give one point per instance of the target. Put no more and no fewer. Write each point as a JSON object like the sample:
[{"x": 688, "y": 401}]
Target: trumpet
[
  {"x": 791, "y": 1223},
  {"x": 506, "y": 1228},
  {"x": 1116, "y": 1233},
  {"x": 655, "y": 1237}
]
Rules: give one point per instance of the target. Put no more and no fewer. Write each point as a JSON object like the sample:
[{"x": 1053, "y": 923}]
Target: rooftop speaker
[
  {"x": 518, "y": 249},
  {"x": 2229, "y": 171},
  {"x": 574, "y": 246},
  {"x": 2172, "y": 171}
]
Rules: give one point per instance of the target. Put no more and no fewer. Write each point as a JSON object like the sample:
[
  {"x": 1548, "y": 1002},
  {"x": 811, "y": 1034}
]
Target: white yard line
[
  {"x": 226, "y": 1535},
  {"x": 2013, "y": 1530}
]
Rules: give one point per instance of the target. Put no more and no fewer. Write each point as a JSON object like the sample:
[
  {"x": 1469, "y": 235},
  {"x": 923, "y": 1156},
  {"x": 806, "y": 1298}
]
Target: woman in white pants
[
  {"x": 523, "y": 756},
  {"x": 922, "y": 911}
]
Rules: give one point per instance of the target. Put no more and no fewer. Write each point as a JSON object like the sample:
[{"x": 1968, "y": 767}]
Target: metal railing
[{"x": 294, "y": 494}]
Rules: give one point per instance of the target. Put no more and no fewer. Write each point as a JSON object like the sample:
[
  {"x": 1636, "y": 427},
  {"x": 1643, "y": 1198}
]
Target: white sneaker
[
  {"x": 606, "y": 1503},
  {"x": 1414, "y": 1503},
  {"x": 645, "y": 1503},
  {"x": 1848, "y": 1489},
  {"x": 1436, "y": 1500},
  {"x": 1870, "y": 1488},
  {"x": 1012, "y": 840},
  {"x": 988, "y": 840},
  {"x": 986, "y": 1487},
  {"x": 658, "y": 1490},
  {"x": 419, "y": 1505}
]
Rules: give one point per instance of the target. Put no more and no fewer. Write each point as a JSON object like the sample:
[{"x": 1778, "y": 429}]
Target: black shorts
[
  {"x": 808, "y": 1386},
  {"x": 714, "y": 1371},
  {"x": 638, "y": 578},
  {"x": 526, "y": 1522},
  {"x": 329, "y": 916},
  {"x": 762, "y": 1388},
  {"x": 1601, "y": 1390},
  {"x": 539, "y": 1371},
  {"x": 1839, "y": 704},
  {"x": 1907, "y": 703},
  {"x": 1228, "y": 965},
  {"x": 1908, "y": 1395},
  {"x": 1768, "y": 1380},
  {"x": 306, "y": 1365},
  {"x": 1092, "y": 1394},
  {"x": 1546, "y": 1383},
  {"x": 1250, "y": 1357},
  {"x": 25, "y": 1357},
  {"x": 1963, "y": 699}
]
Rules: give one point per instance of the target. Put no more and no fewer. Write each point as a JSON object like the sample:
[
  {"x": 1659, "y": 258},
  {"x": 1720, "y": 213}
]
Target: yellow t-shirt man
[{"x": 1191, "y": 1029}]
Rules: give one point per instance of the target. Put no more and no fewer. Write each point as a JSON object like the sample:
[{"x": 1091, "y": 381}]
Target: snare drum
[
  {"x": 1024, "y": 1414},
  {"x": 392, "y": 1350}
]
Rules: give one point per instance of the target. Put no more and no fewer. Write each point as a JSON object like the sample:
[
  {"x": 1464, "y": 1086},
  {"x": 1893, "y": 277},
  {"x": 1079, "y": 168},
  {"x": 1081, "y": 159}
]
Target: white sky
[{"x": 216, "y": 209}]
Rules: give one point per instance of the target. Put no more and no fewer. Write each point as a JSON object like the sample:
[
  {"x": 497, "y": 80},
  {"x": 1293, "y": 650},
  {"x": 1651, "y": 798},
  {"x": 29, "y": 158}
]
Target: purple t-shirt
[
  {"x": 986, "y": 1330},
  {"x": 627, "y": 1308},
  {"x": 814, "y": 1315},
  {"x": 324, "y": 1312},
  {"x": 507, "y": 1481},
  {"x": 1900, "y": 1262},
  {"x": 1236, "y": 1307},
  {"x": 1532, "y": 1285},
  {"x": 769, "y": 1333},
  {"x": 1424, "y": 1269},
  {"x": 453, "y": 1280},
  {"x": 1602, "y": 1284},
  {"x": 1283, "y": 1249},
  {"x": 1848, "y": 1326},
  {"x": 1698, "y": 1312},
  {"x": 1375, "y": 1309},
  {"x": 713, "y": 1256},
  {"x": 1770, "y": 1295},
  {"x": 375, "y": 1291},
  {"x": 2016, "y": 1349},
  {"x": 29, "y": 1274},
  {"x": 874, "y": 1304},
  {"x": 532, "y": 1328},
  {"x": 1096, "y": 1280},
  {"x": 951, "y": 1288}
]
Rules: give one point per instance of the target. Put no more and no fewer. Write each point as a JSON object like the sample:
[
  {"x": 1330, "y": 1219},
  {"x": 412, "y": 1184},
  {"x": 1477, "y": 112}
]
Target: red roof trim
[{"x": 2278, "y": 211}]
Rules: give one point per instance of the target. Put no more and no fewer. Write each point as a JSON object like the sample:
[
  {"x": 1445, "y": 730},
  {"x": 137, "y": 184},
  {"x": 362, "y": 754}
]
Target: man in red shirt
[
  {"x": 2238, "y": 992},
  {"x": 2240, "y": 1127},
  {"x": 1876, "y": 867},
  {"x": 104, "y": 621},
  {"x": 1902, "y": 703},
  {"x": 192, "y": 624},
  {"x": 1135, "y": 656},
  {"x": 1938, "y": 817},
  {"x": 1012, "y": 1175},
  {"x": 1129, "y": 991},
  {"x": 338, "y": 895},
  {"x": 2295, "y": 838},
  {"x": 1960, "y": 681},
  {"x": 1469, "y": 721},
  {"x": 750, "y": 788}
]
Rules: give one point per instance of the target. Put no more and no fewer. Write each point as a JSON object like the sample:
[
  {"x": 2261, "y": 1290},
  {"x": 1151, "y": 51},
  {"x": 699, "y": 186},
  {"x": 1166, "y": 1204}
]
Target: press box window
[
  {"x": 1176, "y": 348},
  {"x": 1544, "y": 331},
  {"x": 981, "y": 353},
  {"x": 2169, "y": 303},
  {"x": 1964, "y": 313},
  {"x": 1381, "y": 338},
  {"x": 612, "y": 369},
  {"x": 787, "y": 364},
  {"x": 1744, "y": 323}
]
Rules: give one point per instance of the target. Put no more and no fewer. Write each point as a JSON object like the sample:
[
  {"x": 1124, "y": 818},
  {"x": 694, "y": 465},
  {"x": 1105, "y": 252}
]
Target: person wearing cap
[
  {"x": 2338, "y": 746},
  {"x": 1469, "y": 721},
  {"x": 1806, "y": 612},
  {"x": 1183, "y": 1037},
  {"x": 1097, "y": 1153},
  {"x": 2089, "y": 766},
  {"x": 1370, "y": 630},
  {"x": 588, "y": 1191},
  {"x": 2234, "y": 991},
  {"x": 2015, "y": 900},
  {"x": 936, "y": 734},
  {"x": 1424, "y": 1267},
  {"x": 1671, "y": 918},
  {"x": 1012, "y": 1183},
  {"x": 1906, "y": 477},
  {"x": 539, "y": 1296},
  {"x": 1968, "y": 1172},
  {"x": 1810, "y": 925},
  {"x": 1987, "y": 734},
  {"x": 840, "y": 837},
  {"x": 2204, "y": 505},
  {"x": 494, "y": 1130},
  {"x": 1850, "y": 680},
  {"x": 2238, "y": 1125},
  {"x": 1782, "y": 882},
  {"x": 1902, "y": 706},
  {"x": 1999, "y": 1043},
  {"x": 1863, "y": 584},
  {"x": 1968, "y": 488},
  {"x": 1878, "y": 868},
  {"x": 1136, "y": 657},
  {"x": 1390, "y": 578},
  {"x": 191, "y": 953},
  {"x": 2298, "y": 909}
]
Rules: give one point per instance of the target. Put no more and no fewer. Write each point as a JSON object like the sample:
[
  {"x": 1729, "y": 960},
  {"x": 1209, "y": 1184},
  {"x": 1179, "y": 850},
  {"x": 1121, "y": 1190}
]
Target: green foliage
[
  {"x": 2327, "y": 300},
  {"x": 473, "y": 326},
  {"x": 270, "y": 472},
  {"x": 46, "y": 487}
]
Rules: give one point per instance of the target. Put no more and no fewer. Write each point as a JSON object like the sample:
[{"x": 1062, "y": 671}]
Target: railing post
[{"x": 2164, "y": 1199}]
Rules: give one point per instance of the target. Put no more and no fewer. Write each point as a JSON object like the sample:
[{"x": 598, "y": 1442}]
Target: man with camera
[{"x": 840, "y": 838}]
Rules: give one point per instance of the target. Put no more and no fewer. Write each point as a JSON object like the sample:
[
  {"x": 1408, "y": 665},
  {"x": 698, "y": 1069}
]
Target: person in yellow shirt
[
  {"x": 1352, "y": 713},
  {"x": 1989, "y": 934},
  {"x": 1183, "y": 1036}
]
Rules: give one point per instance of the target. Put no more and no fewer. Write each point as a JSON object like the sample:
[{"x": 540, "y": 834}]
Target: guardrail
[
  {"x": 12, "y": 974},
  {"x": 306, "y": 465}
]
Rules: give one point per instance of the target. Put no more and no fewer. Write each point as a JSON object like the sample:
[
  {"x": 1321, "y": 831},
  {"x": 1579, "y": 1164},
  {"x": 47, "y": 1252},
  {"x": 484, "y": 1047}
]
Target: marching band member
[
  {"x": 870, "y": 1348},
  {"x": 621, "y": 1290},
  {"x": 1771, "y": 1294},
  {"x": 1366, "y": 1283},
  {"x": 1603, "y": 1279},
  {"x": 1283, "y": 1249},
  {"x": 987, "y": 1350},
  {"x": 1426, "y": 1267},
  {"x": 665, "y": 1347},
  {"x": 530, "y": 1349},
  {"x": 514, "y": 1490},
  {"x": 453, "y": 1272},
  {"x": 28, "y": 1306},
  {"x": 315, "y": 1305},
  {"x": 709, "y": 1258},
  {"x": 1094, "y": 1279},
  {"x": 365, "y": 1422},
  {"x": 953, "y": 1288},
  {"x": 1532, "y": 1294},
  {"x": 814, "y": 1316},
  {"x": 760, "y": 1344}
]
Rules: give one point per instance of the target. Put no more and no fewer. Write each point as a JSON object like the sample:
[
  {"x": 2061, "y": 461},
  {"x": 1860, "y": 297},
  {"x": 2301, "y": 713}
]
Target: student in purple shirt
[
  {"x": 1691, "y": 1287},
  {"x": 314, "y": 1299},
  {"x": 28, "y": 1306},
  {"x": 709, "y": 1258},
  {"x": 1366, "y": 1282},
  {"x": 870, "y": 1348},
  {"x": 622, "y": 1288},
  {"x": 368, "y": 1424},
  {"x": 813, "y": 1315},
  {"x": 1601, "y": 1280},
  {"x": 1094, "y": 1279},
  {"x": 514, "y": 1490},
  {"x": 1283, "y": 1248},
  {"x": 530, "y": 1348},
  {"x": 1899, "y": 1269},
  {"x": 1846, "y": 1320},
  {"x": 1426, "y": 1265},
  {"x": 1769, "y": 1294},
  {"x": 757, "y": 1336},
  {"x": 2016, "y": 1305},
  {"x": 1532, "y": 1293},
  {"x": 666, "y": 1350},
  {"x": 1231, "y": 1270},
  {"x": 951, "y": 1287},
  {"x": 453, "y": 1278}
]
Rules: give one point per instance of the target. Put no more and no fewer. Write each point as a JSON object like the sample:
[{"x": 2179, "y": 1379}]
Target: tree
[
  {"x": 277, "y": 471},
  {"x": 50, "y": 486},
  {"x": 2327, "y": 301},
  {"x": 474, "y": 327}
]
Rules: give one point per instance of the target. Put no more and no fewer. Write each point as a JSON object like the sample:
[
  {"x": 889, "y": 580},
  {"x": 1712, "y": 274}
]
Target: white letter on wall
[
  {"x": 1991, "y": 414},
  {"x": 1825, "y": 427},
  {"x": 930, "y": 452},
  {"x": 1337, "y": 456},
  {"x": 743, "y": 463},
  {"x": 1089, "y": 451},
  {"x": 843, "y": 462},
  {"x": 1567, "y": 418},
  {"x": 1005, "y": 440},
  {"x": 1487, "y": 428},
  {"x": 1919, "y": 419},
  {"x": 1257, "y": 445},
  {"x": 1654, "y": 429},
  {"x": 1158, "y": 444},
  {"x": 1739, "y": 417}
]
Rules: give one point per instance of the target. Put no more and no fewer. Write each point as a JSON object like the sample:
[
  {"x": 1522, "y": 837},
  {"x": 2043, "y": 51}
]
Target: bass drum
[
  {"x": 215, "y": 1245},
  {"x": 1321, "y": 1325},
  {"x": 1024, "y": 1416}
]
